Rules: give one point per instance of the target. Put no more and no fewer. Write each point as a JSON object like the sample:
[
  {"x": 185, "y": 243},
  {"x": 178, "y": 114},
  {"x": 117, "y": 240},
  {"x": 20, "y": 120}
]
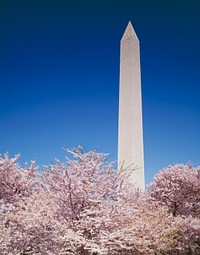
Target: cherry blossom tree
[
  {"x": 178, "y": 187},
  {"x": 86, "y": 207},
  {"x": 16, "y": 183}
]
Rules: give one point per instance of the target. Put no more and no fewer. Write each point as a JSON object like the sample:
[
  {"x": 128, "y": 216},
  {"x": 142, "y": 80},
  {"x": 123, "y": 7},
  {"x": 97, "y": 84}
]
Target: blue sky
[{"x": 59, "y": 78}]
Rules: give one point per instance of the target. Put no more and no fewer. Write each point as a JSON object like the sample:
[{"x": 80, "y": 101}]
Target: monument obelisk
[{"x": 130, "y": 130}]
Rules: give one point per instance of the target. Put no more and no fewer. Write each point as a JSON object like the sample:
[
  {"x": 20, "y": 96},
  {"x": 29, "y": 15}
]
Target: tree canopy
[{"x": 84, "y": 206}]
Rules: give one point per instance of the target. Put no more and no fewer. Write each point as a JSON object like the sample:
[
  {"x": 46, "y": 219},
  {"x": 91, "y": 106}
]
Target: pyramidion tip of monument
[{"x": 129, "y": 32}]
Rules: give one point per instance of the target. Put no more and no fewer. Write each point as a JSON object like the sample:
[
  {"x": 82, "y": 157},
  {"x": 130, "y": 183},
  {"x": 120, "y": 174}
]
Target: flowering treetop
[{"x": 84, "y": 206}]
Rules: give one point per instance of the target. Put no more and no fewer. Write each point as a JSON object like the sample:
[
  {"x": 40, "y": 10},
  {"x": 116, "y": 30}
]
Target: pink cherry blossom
[{"x": 84, "y": 206}]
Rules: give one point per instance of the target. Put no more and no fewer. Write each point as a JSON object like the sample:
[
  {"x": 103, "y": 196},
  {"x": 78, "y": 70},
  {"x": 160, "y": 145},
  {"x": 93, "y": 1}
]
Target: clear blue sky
[{"x": 59, "y": 77}]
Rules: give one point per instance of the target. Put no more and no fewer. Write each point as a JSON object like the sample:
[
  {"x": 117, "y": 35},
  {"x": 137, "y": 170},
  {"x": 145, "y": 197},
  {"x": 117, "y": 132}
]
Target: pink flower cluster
[{"x": 86, "y": 207}]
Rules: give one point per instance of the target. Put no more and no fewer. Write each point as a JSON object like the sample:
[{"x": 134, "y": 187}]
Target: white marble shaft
[{"x": 130, "y": 130}]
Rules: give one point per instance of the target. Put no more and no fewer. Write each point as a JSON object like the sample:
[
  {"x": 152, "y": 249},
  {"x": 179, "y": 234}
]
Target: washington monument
[{"x": 130, "y": 130}]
